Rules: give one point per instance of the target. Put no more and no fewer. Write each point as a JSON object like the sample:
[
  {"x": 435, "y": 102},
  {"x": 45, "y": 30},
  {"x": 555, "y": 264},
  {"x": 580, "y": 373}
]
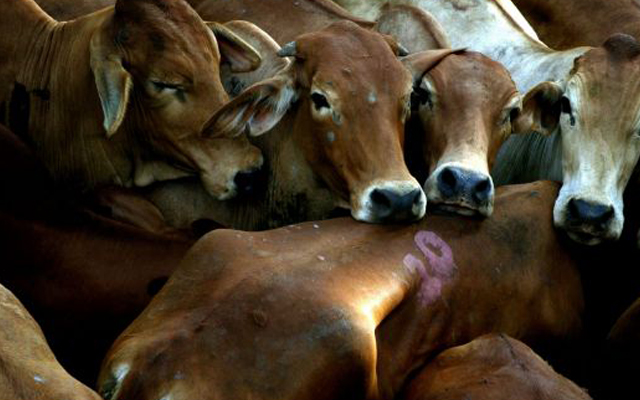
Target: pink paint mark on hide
[
  {"x": 439, "y": 257},
  {"x": 437, "y": 252},
  {"x": 431, "y": 287}
]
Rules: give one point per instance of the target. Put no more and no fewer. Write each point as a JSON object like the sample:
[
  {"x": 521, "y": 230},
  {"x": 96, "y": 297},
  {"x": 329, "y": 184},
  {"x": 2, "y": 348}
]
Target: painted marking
[{"x": 440, "y": 260}]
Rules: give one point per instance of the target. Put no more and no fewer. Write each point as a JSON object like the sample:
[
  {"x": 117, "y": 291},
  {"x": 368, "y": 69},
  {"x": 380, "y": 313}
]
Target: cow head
[
  {"x": 466, "y": 105},
  {"x": 348, "y": 96},
  {"x": 598, "y": 113},
  {"x": 156, "y": 67}
]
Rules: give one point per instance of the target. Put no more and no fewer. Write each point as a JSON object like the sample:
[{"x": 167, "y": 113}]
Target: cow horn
[
  {"x": 402, "y": 51},
  {"x": 288, "y": 50}
]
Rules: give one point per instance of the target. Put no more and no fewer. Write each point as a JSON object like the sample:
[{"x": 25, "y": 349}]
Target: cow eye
[
  {"x": 420, "y": 96},
  {"x": 319, "y": 101},
  {"x": 565, "y": 107},
  {"x": 514, "y": 113}
]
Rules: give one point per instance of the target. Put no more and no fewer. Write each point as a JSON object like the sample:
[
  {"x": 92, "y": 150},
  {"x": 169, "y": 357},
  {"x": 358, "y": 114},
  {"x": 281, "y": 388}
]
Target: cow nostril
[
  {"x": 247, "y": 181},
  {"x": 448, "y": 178},
  {"x": 482, "y": 190},
  {"x": 586, "y": 212},
  {"x": 379, "y": 198},
  {"x": 417, "y": 196}
]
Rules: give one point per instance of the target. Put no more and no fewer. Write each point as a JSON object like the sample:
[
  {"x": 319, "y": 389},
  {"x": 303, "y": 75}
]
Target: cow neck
[{"x": 59, "y": 84}]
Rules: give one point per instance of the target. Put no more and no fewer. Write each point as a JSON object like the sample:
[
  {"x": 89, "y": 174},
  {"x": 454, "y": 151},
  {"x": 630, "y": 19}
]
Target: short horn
[{"x": 288, "y": 50}]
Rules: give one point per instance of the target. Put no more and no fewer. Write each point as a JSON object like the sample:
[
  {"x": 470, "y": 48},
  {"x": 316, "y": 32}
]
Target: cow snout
[
  {"x": 249, "y": 182},
  {"x": 392, "y": 206},
  {"x": 589, "y": 222},
  {"x": 585, "y": 212},
  {"x": 463, "y": 191}
]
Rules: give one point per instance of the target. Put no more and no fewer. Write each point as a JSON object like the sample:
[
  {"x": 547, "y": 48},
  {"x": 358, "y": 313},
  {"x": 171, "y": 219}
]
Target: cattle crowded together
[{"x": 316, "y": 199}]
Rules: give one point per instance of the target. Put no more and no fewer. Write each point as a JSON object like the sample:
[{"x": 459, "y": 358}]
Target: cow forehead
[
  {"x": 609, "y": 85},
  {"x": 352, "y": 59},
  {"x": 165, "y": 32},
  {"x": 473, "y": 78}
]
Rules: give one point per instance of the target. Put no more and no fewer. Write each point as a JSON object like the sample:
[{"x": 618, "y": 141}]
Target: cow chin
[
  {"x": 389, "y": 202},
  {"x": 587, "y": 220}
]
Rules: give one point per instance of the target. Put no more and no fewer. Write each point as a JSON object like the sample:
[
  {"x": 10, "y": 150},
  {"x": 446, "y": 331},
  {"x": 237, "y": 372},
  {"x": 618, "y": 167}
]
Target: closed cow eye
[
  {"x": 319, "y": 101},
  {"x": 160, "y": 86}
]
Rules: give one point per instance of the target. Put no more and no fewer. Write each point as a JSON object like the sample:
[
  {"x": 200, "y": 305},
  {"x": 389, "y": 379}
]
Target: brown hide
[
  {"x": 337, "y": 309},
  {"x": 571, "y": 23},
  {"x": 147, "y": 74},
  {"x": 84, "y": 277},
  {"x": 491, "y": 367},
  {"x": 29, "y": 369}
]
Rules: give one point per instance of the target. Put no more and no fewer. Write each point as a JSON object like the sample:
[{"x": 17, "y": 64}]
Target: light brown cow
[
  {"x": 570, "y": 23},
  {"x": 337, "y": 309},
  {"x": 121, "y": 96},
  {"x": 463, "y": 109},
  {"x": 29, "y": 369},
  {"x": 491, "y": 367}
]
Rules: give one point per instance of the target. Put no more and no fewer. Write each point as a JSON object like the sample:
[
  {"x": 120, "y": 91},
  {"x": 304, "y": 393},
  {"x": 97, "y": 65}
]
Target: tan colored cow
[
  {"x": 586, "y": 100},
  {"x": 29, "y": 369},
  {"x": 570, "y": 23},
  {"x": 491, "y": 367},
  {"x": 338, "y": 309},
  {"x": 122, "y": 95}
]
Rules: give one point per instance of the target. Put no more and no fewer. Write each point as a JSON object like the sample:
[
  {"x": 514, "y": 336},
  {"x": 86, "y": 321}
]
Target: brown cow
[
  {"x": 29, "y": 369},
  {"x": 337, "y": 309},
  {"x": 121, "y": 96},
  {"x": 464, "y": 108},
  {"x": 570, "y": 23},
  {"x": 491, "y": 367},
  {"x": 84, "y": 277}
]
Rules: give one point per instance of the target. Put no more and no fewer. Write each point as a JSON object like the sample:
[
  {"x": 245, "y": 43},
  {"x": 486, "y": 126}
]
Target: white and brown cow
[
  {"x": 122, "y": 95},
  {"x": 586, "y": 99}
]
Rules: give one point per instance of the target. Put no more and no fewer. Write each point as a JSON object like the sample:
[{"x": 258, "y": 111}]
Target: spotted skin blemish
[{"x": 440, "y": 262}]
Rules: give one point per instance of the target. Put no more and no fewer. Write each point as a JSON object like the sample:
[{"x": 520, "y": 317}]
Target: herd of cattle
[{"x": 134, "y": 130}]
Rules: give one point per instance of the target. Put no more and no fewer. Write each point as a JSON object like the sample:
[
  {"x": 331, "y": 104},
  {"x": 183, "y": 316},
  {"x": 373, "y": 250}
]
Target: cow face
[
  {"x": 465, "y": 104},
  {"x": 598, "y": 112},
  {"x": 351, "y": 96},
  {"x": 156, "y": 66}
]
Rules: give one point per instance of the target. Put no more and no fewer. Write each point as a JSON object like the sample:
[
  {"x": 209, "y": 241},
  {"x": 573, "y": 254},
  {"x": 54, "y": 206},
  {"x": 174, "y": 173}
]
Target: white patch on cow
[
  {"x": 331, "y": 137},
  {"x": 39, "y": 379},
  {"x": 372, "y": 98},
  {"x": 321, "y": 258},
  {"x": 166, "y": 397},
  {"x": 316, "y": 226},
  {"x": 363, "y": 208}
]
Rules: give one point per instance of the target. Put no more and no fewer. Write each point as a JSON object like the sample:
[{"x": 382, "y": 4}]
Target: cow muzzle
[
  {"x": 461, "y": 191},
  {"x": 588, "y": 222},
  {"x": 390, "y": 202}
]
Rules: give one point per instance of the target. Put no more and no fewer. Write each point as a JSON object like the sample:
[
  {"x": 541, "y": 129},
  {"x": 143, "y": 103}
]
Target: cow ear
[
  {"x": 420, "y": 63},
  {"x": 240, "y": 55},
  {"x": 113, "y": 83},
  {"x": 256, "y": 110},
  {"x": 540, "y": 110},
  {"x": 412, "y": 27}
]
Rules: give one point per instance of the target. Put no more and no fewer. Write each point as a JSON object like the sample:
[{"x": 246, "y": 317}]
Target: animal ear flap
[
  {"x": 113, "y": 82},
  {"x": 412, "y": 27},
  {"x": 256, "y": 110},
  {"x": 540, "y": 110},
  {"x": 239, "y": 54}
]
